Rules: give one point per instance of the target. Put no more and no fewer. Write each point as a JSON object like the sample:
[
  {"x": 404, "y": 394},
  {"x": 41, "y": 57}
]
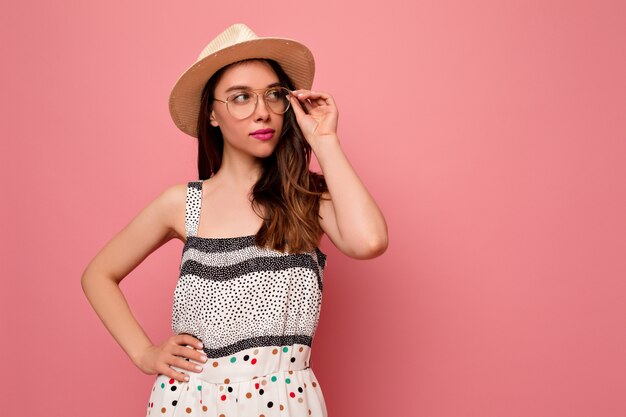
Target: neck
[{"x": 240, "y": 171}]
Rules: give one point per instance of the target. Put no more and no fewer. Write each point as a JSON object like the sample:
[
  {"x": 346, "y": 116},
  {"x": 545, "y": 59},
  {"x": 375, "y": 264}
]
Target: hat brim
[{"x": 294, "y": 58}]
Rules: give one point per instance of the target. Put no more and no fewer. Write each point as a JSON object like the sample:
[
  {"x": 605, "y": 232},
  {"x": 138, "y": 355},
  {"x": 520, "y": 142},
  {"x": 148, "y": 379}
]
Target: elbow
[
  {"x": 85, "y": 280},
  {"x": 91, "y": 277},
  {"x": 378, "y": 246},
  {"x": 373, "y": 249}
]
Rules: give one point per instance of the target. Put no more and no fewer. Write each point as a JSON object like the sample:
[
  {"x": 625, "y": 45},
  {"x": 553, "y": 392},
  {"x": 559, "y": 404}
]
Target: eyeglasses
[{"x": 243, "y": 103}]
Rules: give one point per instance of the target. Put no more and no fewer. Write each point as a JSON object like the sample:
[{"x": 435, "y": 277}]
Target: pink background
[{"x": 492, "y": 134}]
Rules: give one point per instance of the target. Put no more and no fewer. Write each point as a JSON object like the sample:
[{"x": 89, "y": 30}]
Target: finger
[
  {"x": 329, "y": 99},
  {"x": 303, "y": 94},
  {"x": 315, "y": 98},
  {"x": 317, "y": 94},
  {"x": 322, "y": 98},
  {"x": 174, "y": 372},
  {"x": 297, "y": 108},
  {"x": 303, "y": 100},
  {"x": 186, "y": 364},
  {"x": 200, "y": 356},
  {"x": 191, "y": 353},
  {"x": 308, "y": 105},
  {"x": 321, "y": 94},
  {"x": 189, "y": 339},
  {"x": 184, "y": 351},
  {"x": 195, "y": 354}
]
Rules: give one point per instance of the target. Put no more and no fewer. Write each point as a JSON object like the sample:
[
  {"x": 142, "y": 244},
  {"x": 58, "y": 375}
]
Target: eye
[
  {"x": 274, "y": 94},
  {"x": 240, "y": 98}
]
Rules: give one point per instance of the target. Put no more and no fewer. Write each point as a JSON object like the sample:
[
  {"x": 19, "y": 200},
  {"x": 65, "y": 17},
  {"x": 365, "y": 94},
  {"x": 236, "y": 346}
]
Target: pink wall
[{"x": 491, "y": 134}]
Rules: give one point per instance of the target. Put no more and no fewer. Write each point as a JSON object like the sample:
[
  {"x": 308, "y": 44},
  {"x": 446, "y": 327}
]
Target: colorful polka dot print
[{"x": 256, "y": 311}]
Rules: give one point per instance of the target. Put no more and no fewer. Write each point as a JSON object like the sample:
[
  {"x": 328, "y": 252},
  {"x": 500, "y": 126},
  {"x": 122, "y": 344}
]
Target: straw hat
[{"x": 236, "y": 43}]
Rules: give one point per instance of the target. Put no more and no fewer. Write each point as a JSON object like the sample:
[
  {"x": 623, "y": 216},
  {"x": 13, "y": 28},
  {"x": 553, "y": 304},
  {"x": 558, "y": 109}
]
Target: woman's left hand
[{"x": 321, "y": 114}]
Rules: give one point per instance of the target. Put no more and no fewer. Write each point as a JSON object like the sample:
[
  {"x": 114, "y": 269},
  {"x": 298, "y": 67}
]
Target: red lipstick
[{"x": 263, "y": 134}]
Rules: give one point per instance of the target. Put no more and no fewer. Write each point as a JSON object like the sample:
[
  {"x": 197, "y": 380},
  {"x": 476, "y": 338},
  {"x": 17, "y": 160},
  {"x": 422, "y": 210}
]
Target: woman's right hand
[{"x": 157, "y": 359}]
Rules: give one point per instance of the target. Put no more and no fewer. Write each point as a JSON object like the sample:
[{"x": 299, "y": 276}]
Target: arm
[
  {"x": 149, "y": 230},
  {"x": 351, "y": 218}
]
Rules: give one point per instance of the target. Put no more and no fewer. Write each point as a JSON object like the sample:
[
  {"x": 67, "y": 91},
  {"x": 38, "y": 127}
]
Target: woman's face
[{"x": 237, "y": 133}]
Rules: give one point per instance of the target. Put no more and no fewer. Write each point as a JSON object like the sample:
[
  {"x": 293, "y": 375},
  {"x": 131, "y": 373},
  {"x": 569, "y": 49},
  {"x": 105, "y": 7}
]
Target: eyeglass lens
[{"x": 243, "y": 103}]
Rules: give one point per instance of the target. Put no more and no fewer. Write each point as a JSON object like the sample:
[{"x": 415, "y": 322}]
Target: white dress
[{"x": 256, "y": 311}]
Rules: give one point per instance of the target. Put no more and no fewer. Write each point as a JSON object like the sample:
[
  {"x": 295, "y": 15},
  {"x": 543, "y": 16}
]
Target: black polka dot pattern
[
  {"x": 234, "y": 295},
  {"x": 256, "y": 311}
]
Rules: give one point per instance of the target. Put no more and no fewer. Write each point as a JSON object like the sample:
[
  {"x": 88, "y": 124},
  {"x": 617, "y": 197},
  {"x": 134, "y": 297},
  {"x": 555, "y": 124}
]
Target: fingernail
[
  {"x": 204, "y": 359},
  {"x": 200, "y": 345},
  {"x": 198, "y": 367},
  {"x": 186, "y": 378}
]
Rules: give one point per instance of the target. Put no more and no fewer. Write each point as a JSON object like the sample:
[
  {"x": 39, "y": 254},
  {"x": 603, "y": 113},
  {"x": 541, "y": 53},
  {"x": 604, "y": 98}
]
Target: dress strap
[{"x": 193, "y": 203}]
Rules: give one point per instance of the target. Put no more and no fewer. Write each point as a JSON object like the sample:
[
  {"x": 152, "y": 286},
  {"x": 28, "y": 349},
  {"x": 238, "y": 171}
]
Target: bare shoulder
[
  {"x": 158, "y": 222},
  {"x": 172, "y": 202},
  {"x": 163, "y": 213}
]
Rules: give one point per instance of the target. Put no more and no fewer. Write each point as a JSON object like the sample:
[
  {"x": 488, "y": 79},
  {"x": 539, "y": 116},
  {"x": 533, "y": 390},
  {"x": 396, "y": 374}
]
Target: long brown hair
[{"x": 287, "y": 190}]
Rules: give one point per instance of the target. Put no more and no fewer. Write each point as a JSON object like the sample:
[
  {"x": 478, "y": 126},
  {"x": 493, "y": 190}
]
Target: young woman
[{"x": 248, "y": 298}]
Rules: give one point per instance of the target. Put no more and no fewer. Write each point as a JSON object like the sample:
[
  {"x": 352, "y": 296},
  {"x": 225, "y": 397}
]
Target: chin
[{"x": 264, "y": 155}]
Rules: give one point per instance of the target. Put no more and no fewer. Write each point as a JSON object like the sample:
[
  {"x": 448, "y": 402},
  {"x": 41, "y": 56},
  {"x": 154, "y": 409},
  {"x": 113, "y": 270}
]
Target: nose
[{"x": 261, "y": 112}]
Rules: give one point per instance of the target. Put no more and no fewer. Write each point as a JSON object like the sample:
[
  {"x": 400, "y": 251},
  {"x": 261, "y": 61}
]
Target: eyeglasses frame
[{"x": 256, "y": 103}]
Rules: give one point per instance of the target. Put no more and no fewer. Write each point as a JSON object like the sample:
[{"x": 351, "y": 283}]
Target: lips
[
  {"x": 263, "y": 134},
  {"x": 262, "y": 131}
]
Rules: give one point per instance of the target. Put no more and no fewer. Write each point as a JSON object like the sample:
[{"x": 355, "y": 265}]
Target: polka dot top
[{"x": 234, "y": 295}]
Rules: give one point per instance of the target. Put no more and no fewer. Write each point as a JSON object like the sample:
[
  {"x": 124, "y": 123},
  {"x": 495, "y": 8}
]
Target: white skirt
[{"x": 260, "y": 381}]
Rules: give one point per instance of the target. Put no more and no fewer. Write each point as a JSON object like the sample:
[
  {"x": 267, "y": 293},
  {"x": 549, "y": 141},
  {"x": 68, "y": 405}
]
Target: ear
[{"x": 212, "y": 119}]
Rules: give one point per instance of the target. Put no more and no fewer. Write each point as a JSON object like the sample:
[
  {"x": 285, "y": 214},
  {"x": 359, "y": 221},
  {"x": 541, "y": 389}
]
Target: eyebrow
[{"x": 245, "y": 87}]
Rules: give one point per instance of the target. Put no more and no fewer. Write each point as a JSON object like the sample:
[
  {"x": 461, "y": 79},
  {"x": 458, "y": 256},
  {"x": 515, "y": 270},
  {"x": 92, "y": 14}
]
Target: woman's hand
[
  {"x": 157, "y": 359},
  {"x": 321, "y": 116}
]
